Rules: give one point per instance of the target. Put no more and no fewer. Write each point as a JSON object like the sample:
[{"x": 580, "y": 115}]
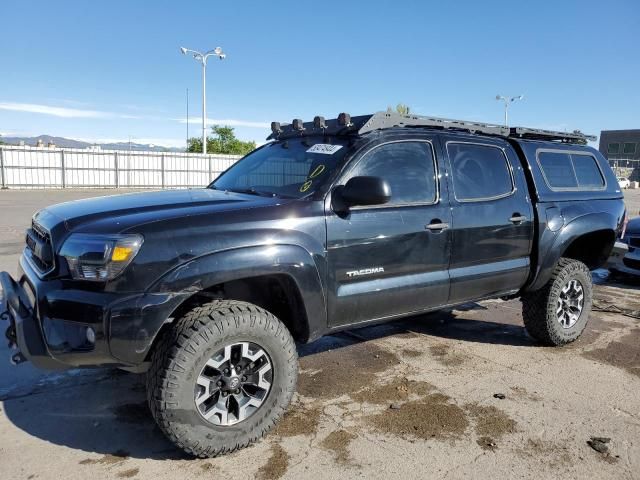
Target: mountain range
[{"x": 71, "y": 143}]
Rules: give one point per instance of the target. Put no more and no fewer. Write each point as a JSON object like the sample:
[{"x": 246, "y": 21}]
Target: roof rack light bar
[{"x": 345, "y": 124}]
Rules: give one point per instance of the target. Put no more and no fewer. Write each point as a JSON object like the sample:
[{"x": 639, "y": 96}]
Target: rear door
[
  {"x": 391, "y": 259},
  {"x": 492, "y": 218}
]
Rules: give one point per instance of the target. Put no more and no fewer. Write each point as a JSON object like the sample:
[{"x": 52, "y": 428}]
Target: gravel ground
[{"x": 456, "y": 394}]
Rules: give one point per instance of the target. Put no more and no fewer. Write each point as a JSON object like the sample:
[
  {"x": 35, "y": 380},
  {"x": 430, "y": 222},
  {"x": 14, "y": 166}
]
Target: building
[{"x": 622, "y": 149}]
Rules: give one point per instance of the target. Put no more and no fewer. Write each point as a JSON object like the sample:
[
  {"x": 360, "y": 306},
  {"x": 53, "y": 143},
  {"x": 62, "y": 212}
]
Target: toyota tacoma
[{"x": 331, "y": 225}]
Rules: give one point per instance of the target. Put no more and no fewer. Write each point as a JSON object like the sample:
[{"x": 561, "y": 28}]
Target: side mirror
[{"x": 364, "y": 191}]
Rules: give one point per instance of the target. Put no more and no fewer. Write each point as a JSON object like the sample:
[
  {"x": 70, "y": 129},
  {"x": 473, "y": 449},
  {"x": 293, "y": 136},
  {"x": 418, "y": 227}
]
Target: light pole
[
  {"x": 202, "y": 57},
  {"x": 507, "y": 101}
]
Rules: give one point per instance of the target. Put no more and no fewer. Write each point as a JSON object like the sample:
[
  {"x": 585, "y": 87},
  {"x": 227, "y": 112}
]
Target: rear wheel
[
  {"x": 558, "y": 313},
  {"x": 222, "y": 377}
]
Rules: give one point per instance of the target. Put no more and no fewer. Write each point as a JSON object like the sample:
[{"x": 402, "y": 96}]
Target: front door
[{"x": 391, "y": 259}]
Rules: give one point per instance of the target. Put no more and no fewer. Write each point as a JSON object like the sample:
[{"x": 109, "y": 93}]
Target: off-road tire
[
  {"x": 179, "y": 357},
  {"x": 539, "y": 307}
]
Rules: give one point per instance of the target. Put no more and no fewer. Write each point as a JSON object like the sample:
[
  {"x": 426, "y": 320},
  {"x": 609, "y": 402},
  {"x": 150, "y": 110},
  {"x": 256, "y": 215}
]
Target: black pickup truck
[{"x": 331, "y": 225}]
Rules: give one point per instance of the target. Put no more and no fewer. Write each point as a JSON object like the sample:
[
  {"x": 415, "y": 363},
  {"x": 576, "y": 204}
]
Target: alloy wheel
[
  {"x": 570, "y": 303},
  {"x": 233, "y": 383}
]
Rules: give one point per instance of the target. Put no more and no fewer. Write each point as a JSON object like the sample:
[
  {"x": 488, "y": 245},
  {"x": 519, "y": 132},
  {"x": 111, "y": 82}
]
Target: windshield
[{"x": 293, "y": 168}]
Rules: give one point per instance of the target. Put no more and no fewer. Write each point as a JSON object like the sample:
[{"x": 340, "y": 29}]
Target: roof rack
[
  {"x": 383, "y": 120},
  {"x": 538, "y": 134},
  {"x": 345, "y": 124}
]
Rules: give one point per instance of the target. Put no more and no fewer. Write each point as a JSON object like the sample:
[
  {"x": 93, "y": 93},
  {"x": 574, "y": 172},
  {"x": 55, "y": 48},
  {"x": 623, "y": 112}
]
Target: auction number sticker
[{"x": 324, "y": 148}]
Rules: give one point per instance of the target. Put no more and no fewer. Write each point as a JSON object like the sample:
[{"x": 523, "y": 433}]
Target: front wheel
[
  {"x": 558, "y": 313},
  {"x": 221, "y": 377}
]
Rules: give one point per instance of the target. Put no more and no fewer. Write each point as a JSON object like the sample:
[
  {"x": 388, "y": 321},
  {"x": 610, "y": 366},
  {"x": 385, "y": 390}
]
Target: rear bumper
[{"x": 56, "y": 325}]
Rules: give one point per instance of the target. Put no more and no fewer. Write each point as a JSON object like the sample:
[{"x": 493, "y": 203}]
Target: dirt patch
[
  {"x": 430, "y": 417},
  {"x": 491, "y": 421},
  {"x": 298, "y": 420},
  {"x": 523, "y": 393},
  {"x": 342, "y": 371},
  {"x": 114, "y": 458},
  {"x": 277, "y": 464},
  {"x": 622, "y": 296},
  {"x": 623, "y": 353},
  {"x": 132, "y": 472},
  {"x": 207, "y": 467},
  {"x": 598, "y": 325},
  {"x": 487, "y": 443},
  {"x": 338, "y": 442},
  {"x": 408, "y": 352},
  {"x": 443, "y": 354},
  {"x": 398, "y": 390},
  {"x": 556, "y": 455},
  {"x": 136, "y": 413}
]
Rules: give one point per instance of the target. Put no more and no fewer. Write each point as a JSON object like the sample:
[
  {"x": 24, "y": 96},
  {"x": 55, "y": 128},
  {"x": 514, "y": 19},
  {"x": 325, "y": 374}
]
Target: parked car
[
  {"x": 626, "y": 260},
  {"x": 331, "y": 225},
  {"x": 624, "y": 182}
]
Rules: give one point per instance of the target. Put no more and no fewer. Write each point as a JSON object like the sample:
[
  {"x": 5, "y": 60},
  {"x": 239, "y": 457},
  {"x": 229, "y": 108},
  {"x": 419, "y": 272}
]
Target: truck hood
[{"x": 119, "y": 212}]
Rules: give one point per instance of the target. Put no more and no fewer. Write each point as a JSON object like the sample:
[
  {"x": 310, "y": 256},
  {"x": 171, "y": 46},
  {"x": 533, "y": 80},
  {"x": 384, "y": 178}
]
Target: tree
[
  {"x": 223, "y": 141},
  {"x": 402, "y": 109}
]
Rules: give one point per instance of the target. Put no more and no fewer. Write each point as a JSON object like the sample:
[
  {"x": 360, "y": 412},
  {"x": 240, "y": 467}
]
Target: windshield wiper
[{"x": 252, "y": 191}]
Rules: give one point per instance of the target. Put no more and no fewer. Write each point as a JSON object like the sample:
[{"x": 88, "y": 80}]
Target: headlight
[{"x": 99, "y": 257}]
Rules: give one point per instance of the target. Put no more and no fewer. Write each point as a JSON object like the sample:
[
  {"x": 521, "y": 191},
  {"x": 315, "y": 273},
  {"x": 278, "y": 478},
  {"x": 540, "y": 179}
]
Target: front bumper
[
  {"x": 55, "y": 324},
  {"x": 22, "y": 332}
]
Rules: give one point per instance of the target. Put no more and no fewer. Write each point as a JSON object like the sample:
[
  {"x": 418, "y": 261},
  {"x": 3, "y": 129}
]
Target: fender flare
[
  {"x": 293, "y": 261},
  {"x": 554, "y": 245}
]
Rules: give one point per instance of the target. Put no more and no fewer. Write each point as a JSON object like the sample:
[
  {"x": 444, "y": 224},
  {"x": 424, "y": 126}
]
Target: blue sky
[{"x": 105, "y": 71}]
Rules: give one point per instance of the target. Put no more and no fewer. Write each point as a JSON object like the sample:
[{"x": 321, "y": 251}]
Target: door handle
[
  {"x": 518, "y": 219},
  {"x": 437, "y": 227}
]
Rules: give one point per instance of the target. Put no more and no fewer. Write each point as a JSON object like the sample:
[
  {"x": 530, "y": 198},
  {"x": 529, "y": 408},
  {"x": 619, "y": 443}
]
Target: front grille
[
  {"x": 39, "y": 248},
  {"x": 631, "y": 263}
]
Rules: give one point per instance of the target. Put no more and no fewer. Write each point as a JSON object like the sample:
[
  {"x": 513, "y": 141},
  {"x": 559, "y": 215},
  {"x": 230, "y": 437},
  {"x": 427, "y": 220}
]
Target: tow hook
[
  {"x": 17, "y": 358},
  {"x": 10, "y": 333}
]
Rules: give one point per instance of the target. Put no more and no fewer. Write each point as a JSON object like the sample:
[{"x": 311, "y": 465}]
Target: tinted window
[
  {"x": 408, "y": 167},
  {"x": 587, "y": 171},
  {"x": 558, "y": 169},
  {"x": 613, "y": 148},
  {"x": 479, "y": 171},
  {"x": 564, "y": 170},
  {"x": 629, "y": 148}
]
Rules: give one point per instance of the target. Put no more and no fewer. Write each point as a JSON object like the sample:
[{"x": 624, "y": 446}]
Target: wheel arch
[
  {"x": 588, "y": 238},
  {"x": 264, "y": 275}
]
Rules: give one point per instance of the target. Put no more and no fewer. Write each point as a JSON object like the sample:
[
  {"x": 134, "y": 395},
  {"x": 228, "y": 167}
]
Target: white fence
[{"x": 38, "y": 167}]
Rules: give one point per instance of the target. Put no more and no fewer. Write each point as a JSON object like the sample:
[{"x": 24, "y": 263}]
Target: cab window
[
  {"x": 408, "y": 167},
  {"x": 480, "y": 172}
]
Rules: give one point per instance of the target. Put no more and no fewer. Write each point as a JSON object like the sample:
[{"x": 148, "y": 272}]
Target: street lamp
[
  {"x": 202, "y": 57},
  {"x": 507, "y": 101}
]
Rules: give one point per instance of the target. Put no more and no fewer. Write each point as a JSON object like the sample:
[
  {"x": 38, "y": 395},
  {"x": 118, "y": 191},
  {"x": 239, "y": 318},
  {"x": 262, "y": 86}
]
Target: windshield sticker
[
  {"x": 318, "y": 170},
  {"x": 306, "y": 186},
  {"x": 324, "y": 148}
]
